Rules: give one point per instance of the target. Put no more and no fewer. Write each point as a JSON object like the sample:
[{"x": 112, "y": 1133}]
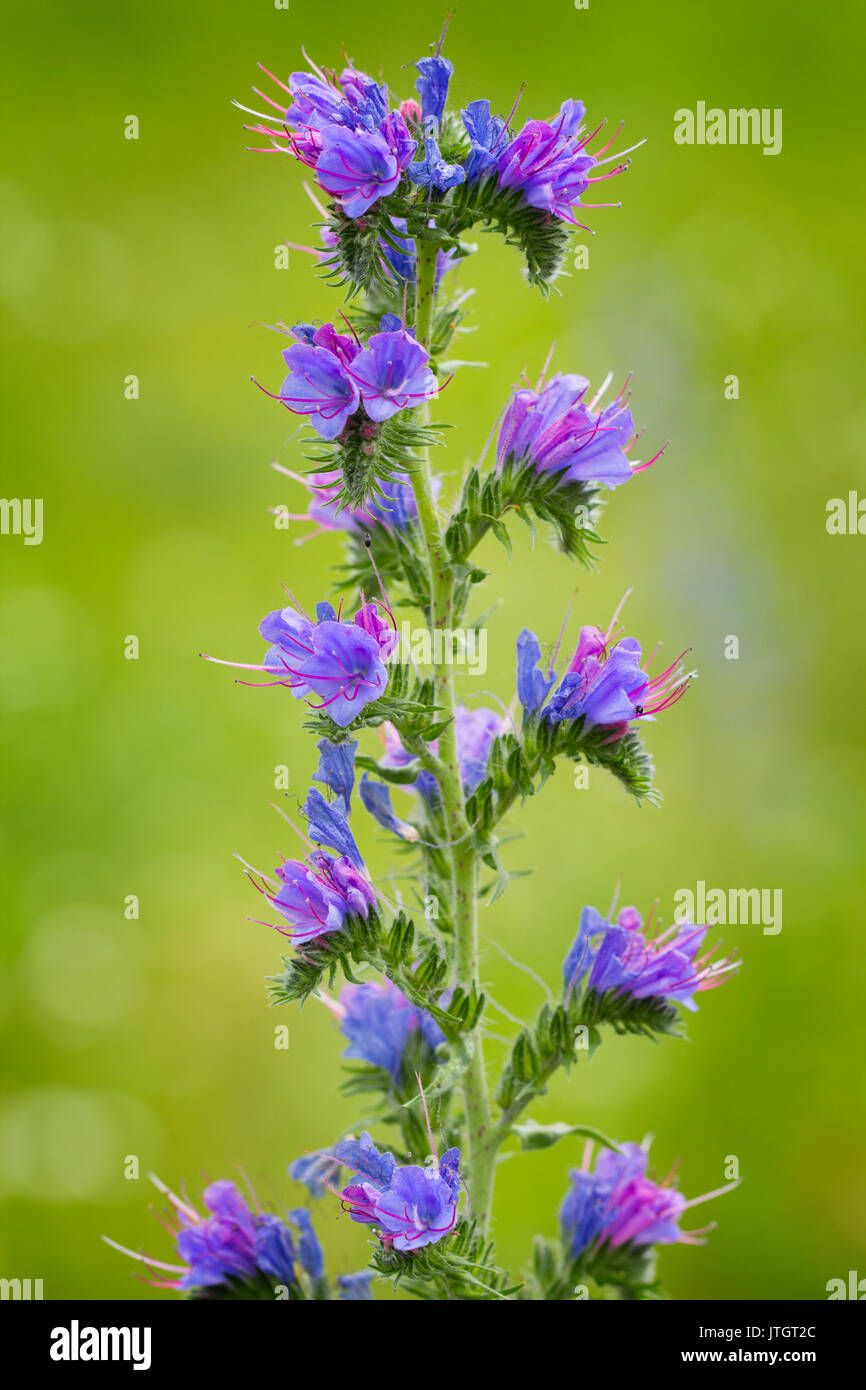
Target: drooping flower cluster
[
  {"x": 605, "y": 683},
  {"x": 411, "y": 1205},
  {"x": 621, "y": 956},
  {"x": 236, "y": 1244},
  {"x": 378, "y": 1021},
  {"x": 618, "y": 1204},
  {"x": 342, "y": 127},
  {"x": 331, "y": 375},
  {"x": 317, "y": 895},
  {"x": 556, "y": 430},
  {"x": 547, "y": 162}
]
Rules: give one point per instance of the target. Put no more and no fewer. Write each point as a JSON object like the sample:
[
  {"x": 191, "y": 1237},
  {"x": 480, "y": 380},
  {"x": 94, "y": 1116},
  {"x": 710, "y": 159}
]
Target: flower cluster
[
  {"x": 342, "y": 127},
  {"x": 238, "y": 1250},
  {"x": 547, "y": 162},
  {"x": 606, "y": 684},
  {"x": 331, "y": 375},
  {"x": 411, "y": 1205},
  {"x": 317, "y": 895},
  {"x": 556, "y": 430},
  {"x": 617, "y": 1204},
  {"x": 621, "y": 956}
]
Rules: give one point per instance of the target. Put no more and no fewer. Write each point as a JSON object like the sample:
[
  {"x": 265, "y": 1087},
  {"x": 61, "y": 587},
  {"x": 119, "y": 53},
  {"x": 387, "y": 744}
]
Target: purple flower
[
  {"x": 412, "y": 1206},
  {"x": 621, "y": 957},
  {"x": 356, "y": 168},
  {"x": 356, "y": 101},
  {"x": 339, "y": 662},
  {"x": 318, "y": 383},
  {"x": 618, "y": 1204},
  {"x": 231, "y": 1243},
  {"x": 378, "y": 1021},
  {"x": 316, "y": 897},
  {"x": 548, "y": 163},
  {"x": 555, "y": 430},
  {"x": 605, "y": 684},
  {"x": 220, "y": 1246},
  {"x": 392, "y": 374},
  {"x": 343, "y": 129},
  {"x": 432, "y": 86}
]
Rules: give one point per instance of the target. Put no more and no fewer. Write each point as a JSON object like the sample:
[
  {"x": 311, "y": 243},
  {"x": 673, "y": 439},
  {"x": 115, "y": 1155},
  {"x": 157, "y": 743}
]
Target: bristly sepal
[
  {"x": 368, "y": 454},
  {"x": 542, "y": 240},
  {"x": 570, "y": 508},
  {"x": 460, "y": 1266}
]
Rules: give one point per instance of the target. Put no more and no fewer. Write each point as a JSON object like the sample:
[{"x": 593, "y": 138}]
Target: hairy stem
[{"x": 480, "y": 1155}]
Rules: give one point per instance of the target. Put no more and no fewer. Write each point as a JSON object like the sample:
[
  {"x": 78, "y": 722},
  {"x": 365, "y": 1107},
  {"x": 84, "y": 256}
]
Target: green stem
[{"x": 481, "y": 1152}]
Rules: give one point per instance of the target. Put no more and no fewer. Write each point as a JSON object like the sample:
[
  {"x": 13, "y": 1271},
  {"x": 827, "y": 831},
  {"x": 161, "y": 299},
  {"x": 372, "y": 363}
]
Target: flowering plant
[{"x": 401, "y": 184}]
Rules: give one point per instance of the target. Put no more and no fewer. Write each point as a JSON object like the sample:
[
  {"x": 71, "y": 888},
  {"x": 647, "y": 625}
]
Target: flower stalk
[{"x": 461, "y": 850}]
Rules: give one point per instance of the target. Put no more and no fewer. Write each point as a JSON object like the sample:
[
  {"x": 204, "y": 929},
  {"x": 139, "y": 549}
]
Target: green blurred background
[{"x": 155, "y": 257}]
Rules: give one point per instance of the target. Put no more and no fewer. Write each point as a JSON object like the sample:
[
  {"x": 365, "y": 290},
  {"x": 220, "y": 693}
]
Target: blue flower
[
  {"x": 412, "y": 1206},
  {"x": 317, "y": 1171},
  {"x": 310, "y": 1252},
  {"x": 336, "y": 769},
  {"x": 487, "y": 139},
  {"x": 432, "y": 171},
  {"x": 376, "y": 797},
  {"x": 432, "y": 87},
  {"x": 274, "y": 1249},
  {"x": 231, "y": 1244},
  {"x": 378, "y": 1021},
  {"x": 356, "y": 1288},
  {"x": 533, "y": 687}
]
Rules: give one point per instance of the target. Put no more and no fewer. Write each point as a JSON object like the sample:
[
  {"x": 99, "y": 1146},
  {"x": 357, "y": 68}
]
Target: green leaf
[{"x": 532, "y": 1135}]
